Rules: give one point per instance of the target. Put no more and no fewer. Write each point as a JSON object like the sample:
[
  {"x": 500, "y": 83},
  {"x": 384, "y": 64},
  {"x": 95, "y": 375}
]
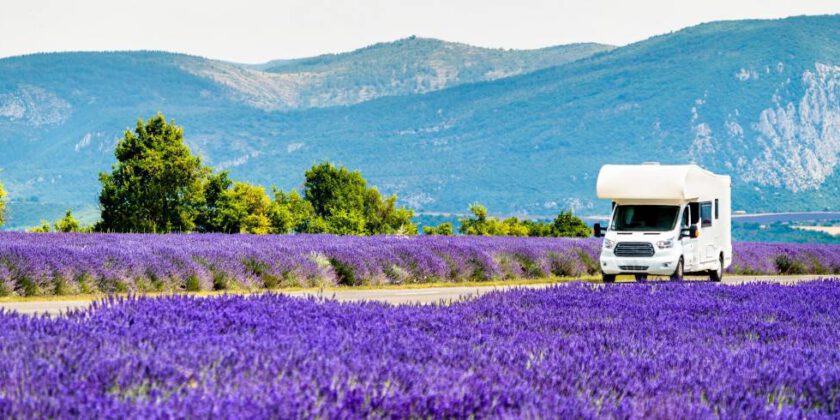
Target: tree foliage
[
  {"x": 289, "y": 212},
  {"x": 44, "y": 227},
  {"x": 209, "y": 217},
  {"x": 443, "y": 229},
  {"x": 245, "y": 209},
  {"x": 233, "y": 207},
  {"x": 565, "y": 224},
  {"x": 343, "y": 204},
  {"x": 68, "y": 223},
  {"x": 483, "y": 225},
  {"x": 156, "y": 184}
]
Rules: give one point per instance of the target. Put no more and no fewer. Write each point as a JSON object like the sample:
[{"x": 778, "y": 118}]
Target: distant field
[
  {"x": 831, "y": 230},
  {"x": 786, "y": 217}
]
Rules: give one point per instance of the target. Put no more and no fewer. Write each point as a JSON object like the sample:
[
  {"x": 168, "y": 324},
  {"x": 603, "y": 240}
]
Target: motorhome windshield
[{"x": 644, "y": 218}]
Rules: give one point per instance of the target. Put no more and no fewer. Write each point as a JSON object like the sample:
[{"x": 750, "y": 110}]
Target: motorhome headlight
[
  {"x": 668, "y": 243},
  {"x": 608, "y": 244}
]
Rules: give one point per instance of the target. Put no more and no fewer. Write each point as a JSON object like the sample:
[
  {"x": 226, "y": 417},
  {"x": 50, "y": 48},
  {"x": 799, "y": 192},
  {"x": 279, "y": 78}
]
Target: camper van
[{"x": 666, "y": 220}]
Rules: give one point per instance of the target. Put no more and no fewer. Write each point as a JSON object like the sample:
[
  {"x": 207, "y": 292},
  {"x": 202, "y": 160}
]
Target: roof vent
[{"x": 650, "y": 163}]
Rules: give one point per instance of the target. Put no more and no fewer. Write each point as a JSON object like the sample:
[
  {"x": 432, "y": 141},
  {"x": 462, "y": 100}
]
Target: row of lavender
[
  {"x": 84, "y": 263},
  {"x": 572, "y": 351},
  {"x": 80, "y": 263}
]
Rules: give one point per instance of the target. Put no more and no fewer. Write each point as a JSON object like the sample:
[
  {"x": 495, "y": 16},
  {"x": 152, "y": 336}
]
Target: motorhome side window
[
  {"x": 685, "y": 219},
  {"x": 706, "y": 214},
  {"x": 717, "y": 208}
]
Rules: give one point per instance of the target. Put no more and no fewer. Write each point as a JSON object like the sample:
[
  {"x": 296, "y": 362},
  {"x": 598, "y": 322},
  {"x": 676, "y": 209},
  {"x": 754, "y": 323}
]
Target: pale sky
[{"x": 253, "y": 31}]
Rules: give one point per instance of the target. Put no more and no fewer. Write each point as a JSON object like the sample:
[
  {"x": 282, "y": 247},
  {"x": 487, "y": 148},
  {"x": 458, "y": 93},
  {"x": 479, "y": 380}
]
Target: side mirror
[
  {"x": 599, "y": 231},
  {"x": 691, "y": 232}
]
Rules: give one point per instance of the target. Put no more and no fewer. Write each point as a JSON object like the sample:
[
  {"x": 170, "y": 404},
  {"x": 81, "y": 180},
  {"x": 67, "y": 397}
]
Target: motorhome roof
[{"x": 658, "y": 182}]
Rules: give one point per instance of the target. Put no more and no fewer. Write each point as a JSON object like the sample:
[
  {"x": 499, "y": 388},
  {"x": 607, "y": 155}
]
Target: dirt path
[{"x": 395, "y": 296}]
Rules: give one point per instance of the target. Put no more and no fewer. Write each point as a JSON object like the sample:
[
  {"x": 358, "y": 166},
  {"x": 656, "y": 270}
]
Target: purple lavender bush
[
  {"x": 32, "y": 264},
  {"x": 571, "y": 351},
  {"x": 785, "y": 258},
  {"x": 35, "y": 264}
]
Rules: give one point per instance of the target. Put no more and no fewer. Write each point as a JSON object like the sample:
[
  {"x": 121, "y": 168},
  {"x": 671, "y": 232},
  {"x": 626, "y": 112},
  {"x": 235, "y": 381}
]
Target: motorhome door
[
  {"x": 689, "y": 244},
  {"x": 709, "y": 234}
]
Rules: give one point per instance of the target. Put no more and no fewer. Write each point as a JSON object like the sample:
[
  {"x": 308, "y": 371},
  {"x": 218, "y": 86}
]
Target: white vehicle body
[{"x": 664, "y": 216}]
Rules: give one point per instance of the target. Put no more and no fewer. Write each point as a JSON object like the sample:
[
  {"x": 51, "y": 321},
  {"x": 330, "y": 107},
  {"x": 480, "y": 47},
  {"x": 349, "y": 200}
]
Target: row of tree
[
  {"x": 66, "y": 224},
  {"x": 479, "y": 223},
  {"x": 158, "y": 185}
]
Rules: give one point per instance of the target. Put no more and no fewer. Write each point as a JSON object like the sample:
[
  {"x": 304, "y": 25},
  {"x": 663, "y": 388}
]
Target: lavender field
[
  {"x": 672, "y": 350},
  {"x": 45, "y": 264}
]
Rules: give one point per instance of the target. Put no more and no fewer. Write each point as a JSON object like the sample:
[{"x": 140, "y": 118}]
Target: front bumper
[{"x": 660, "y": 265}]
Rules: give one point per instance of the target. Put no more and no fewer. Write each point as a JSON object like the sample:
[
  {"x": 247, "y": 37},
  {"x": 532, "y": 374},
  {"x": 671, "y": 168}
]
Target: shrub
[
  {"x": 592, "y": 265},
  {"x": 345, "y": 273},
  {"x": 192, "y": 284},
  {"x": 563, "y": 265},
  {"x": 787, "y": 265}
]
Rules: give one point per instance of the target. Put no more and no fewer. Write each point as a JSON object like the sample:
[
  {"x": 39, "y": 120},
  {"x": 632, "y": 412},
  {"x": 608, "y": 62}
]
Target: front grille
[
  {"x": 633, "y": 267},
  {"x": 634, "y": 249}
]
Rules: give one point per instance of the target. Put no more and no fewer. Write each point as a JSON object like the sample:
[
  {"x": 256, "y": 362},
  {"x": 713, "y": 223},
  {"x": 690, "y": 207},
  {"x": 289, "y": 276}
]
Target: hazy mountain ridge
[
  {"x": 756, "y": 99},
  {"x": 407, "y": 66}
]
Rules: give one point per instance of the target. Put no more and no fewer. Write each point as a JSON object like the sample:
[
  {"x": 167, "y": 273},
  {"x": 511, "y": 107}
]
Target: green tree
[
  {"x": 343, "y": 204},
  {"x": 443, "y": 229},
  {"x": 290, "y": 212},
  {"x": 244, "y": 209},
  {"x": 44, "y": 227},
  {"x": 538, "y": 229},
  {"x": 384, "y": 217},
  {"x": 2, "y": 205},
  {"x": 514, "y": 227},
  {"x": 208, "y": 218},
  {"x": 68, "y": 223},
  {"x": 567, "y": 224},
  {"x": 483, "y": 225},
  {"x": 333, "y": 190},
  {"x": 156, "y": 184},
  {"x": 474, "y": 225}
]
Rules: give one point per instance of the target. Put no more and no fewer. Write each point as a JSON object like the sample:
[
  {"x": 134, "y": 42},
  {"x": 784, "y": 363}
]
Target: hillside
[
  {"x": 757, "y": 99},
  {"x": 413, "y": 65},
  {"x": 407, "y": 66}
]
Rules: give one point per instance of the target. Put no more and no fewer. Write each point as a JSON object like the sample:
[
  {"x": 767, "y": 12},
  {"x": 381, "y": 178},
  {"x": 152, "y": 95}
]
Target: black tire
[
  {"x": 717, "y": 275},
  {"x": 641, "y": 277},
  {"x": 678, "y": 271},
  {"x": 609, "y": 278}
]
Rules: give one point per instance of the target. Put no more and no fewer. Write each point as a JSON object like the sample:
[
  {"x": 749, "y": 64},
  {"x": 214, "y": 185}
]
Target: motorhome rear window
[
  {"x": 644, "y": 218},
  {"x": 706, "y": 214}
]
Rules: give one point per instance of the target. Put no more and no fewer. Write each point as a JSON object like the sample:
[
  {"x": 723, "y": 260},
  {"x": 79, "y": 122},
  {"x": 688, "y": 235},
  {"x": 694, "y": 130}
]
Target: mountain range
[{"x": 444, "y": 124}]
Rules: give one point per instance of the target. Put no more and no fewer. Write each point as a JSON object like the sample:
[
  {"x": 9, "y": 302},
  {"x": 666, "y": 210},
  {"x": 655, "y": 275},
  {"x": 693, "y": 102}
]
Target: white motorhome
[{"x": 667, "y": 220}]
